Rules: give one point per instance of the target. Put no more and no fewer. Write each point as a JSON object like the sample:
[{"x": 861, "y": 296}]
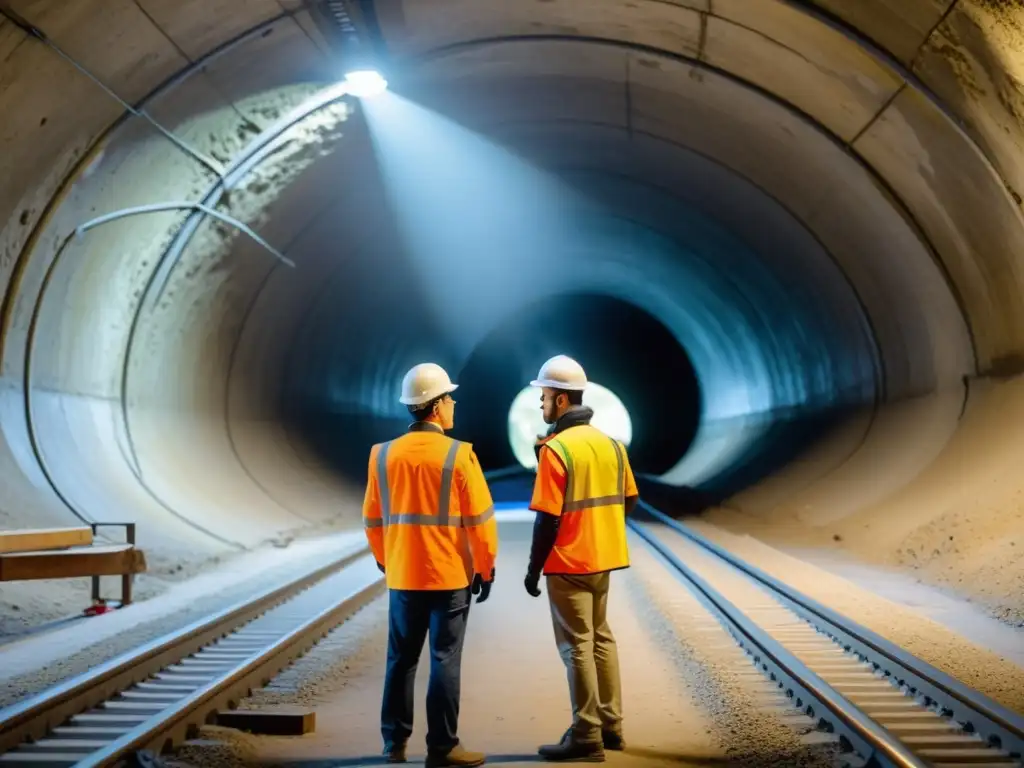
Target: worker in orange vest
[
  {"x": 583, "y": 492},
  {"x": 430, "y": 522}
]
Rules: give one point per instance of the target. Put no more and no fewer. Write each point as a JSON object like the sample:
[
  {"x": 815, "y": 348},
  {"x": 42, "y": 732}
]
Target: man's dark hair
[
  {"x": 575, "y": 395},
  {"x": 422, "y": 412}
]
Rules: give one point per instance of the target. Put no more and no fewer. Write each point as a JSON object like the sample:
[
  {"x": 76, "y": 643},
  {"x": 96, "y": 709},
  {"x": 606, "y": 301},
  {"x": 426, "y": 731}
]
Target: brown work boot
[
  {"x": 612, "y": 739},
  {"x": 395, "y": 753},
  {"x": 571, "y": 750},
  {"x": 459, "y": 757}
]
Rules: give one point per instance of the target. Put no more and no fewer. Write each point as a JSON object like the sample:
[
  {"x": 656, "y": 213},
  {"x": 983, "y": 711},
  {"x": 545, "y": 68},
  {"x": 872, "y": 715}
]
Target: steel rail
[
  {"x": 875, "y": 744},
  {"x": 33, "y": 718},
  {"x": 1000, "y": 727},
  {"x": 174, "y": 724},
  {"x": 986, "y": 723}
]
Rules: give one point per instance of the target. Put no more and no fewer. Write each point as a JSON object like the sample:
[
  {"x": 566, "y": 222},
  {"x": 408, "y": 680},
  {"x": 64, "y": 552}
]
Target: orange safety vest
[
  {"x": 592, "y": 531},
  {"x": 428, "y": 513}
]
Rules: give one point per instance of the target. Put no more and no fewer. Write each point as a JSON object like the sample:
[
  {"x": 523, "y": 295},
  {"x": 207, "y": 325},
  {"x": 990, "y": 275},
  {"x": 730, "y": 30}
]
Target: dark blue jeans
[{"x": 411, "y": 615}]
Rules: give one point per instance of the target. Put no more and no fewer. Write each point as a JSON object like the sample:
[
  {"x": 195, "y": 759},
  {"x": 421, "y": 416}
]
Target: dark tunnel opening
[
  {"x": 620, "y": 346},
  {"x": 381, "y": 310}
]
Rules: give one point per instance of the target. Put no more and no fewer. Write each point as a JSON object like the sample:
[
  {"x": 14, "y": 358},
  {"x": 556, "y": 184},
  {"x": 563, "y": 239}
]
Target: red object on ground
[{"x": 97, "y": 609}]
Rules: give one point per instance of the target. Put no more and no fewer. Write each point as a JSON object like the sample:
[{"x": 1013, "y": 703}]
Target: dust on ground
[
  {"x": 986, "y": 671},
  {"x": 681, "y": 709}
]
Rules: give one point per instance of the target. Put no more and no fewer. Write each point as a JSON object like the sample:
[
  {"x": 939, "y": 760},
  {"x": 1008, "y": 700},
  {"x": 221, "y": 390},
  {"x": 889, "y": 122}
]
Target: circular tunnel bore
[
  {"x": 749, "y": 176},
  {"x": 619, "y": 345}
]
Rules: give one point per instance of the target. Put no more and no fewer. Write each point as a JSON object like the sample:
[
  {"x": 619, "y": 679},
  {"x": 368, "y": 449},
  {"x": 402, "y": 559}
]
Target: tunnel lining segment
[
  {"x": 261, "y": 147},
  {"x": 96, "y": 147},
  {"x": 125, "y": 447},
  {"x": 127, "y": 454},
  {"x": 788, "y": 106},
  {"x": 92, "y": 154},
  {"x": 233, "y": 360},
  {"x": 46, "y": 40},
  {"x": 901, "y": 205},
  {"x": 896, "y": 200},
  {"x": 804, "y": 7},
  {"x": 15, "y": 287},
  {"x": 171, "y": 267},
  {"x": 878, "y": 358},
  {"x": 311, "y": 308}
]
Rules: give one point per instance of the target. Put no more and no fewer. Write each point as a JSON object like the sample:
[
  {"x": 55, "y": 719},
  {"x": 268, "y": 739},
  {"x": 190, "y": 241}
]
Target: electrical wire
[{"x": 34, "y": 31}]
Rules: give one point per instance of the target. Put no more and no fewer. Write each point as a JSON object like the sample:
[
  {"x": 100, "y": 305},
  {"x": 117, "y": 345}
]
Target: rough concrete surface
[
  {"x": 975, "y": 61},
  {"x": 686, "y": 701}
]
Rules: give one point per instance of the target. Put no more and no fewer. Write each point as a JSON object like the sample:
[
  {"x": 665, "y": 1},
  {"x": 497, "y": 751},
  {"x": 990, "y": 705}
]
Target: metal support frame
[
  {"x": 81, "y": 229},
  {"x": 127, "y": 579}
]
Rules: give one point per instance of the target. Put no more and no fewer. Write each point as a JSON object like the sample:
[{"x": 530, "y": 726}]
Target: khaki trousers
[{"x": 585, "y": 642}]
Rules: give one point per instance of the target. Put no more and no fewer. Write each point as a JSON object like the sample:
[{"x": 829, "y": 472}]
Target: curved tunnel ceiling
[{"x": 821, "y": 213}]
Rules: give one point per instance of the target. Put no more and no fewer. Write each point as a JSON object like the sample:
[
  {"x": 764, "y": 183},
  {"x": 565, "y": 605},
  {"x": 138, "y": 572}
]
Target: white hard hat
[
  {"x": 424, "y": 382},
  {"x": 561, "y": 372}
]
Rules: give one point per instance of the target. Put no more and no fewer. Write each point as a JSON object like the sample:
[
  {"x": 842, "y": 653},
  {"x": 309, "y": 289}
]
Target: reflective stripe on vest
[
  {"x": 571, "y": 504},
  {"x": 443, "y": 516}
]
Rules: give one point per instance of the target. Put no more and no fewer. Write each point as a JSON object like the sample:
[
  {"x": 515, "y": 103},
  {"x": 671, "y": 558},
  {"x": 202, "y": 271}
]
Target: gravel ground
[
  {"x": 756, "y": 725},
  {"x": 988, "y": 672},
  {"x": 34, "y": 664},
  {"x": 691, "y": 697}
]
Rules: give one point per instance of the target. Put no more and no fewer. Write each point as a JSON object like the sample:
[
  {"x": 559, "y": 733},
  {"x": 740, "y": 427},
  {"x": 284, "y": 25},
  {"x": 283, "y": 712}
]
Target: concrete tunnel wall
[{"x": 834, "y": 141}]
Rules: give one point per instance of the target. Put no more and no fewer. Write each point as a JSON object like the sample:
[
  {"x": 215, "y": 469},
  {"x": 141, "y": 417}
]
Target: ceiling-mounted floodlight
[{"x": 364, "y": 83}]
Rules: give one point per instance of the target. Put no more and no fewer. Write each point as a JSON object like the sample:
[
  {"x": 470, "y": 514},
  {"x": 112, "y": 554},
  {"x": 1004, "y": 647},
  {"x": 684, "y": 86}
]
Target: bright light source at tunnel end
[
  {"x": 526, "y": 422},
  {"x": 365, "y": 83}
]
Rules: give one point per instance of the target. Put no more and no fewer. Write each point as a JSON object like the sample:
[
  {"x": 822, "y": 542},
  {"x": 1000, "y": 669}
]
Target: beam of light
[
  {"x": 485, "y": 233},
  {"x": 526, "y": 423},
  {"x": 365, "y": 83},
  {"x": 483, "y": 230}
]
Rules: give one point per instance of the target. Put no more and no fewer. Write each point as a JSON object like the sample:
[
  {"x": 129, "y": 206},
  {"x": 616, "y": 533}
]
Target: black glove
[
  {"x": 532, "y": 584},
  {"x": 481, "y": 587},
  {"x": 380, "y": 567}
]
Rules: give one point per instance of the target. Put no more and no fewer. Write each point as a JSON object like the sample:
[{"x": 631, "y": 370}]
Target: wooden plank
[
  {"x": 35, "y": 539},
  {"x": 269, "y": 722},
  {"x": 112, "y": 560}
]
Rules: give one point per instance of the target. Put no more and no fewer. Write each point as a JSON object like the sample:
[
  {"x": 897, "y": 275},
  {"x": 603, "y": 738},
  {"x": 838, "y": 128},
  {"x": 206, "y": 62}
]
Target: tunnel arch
[{"x": 927, "y": 327}]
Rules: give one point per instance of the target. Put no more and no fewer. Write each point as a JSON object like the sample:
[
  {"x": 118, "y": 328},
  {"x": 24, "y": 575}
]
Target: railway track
[
  {"x": 137, "y": 705},
  {"x": 886, "y": 706}
]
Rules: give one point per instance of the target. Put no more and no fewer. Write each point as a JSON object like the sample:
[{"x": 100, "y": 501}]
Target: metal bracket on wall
[{"x": 172, "y": 206}]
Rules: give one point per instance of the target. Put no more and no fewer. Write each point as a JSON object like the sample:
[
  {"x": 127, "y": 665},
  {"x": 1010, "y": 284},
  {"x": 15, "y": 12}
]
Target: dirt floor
[
  {"x": 32, "y": 661},
  {"x": 935, "y": 493},
  {"x": 976, "y": 661},
  {"x": 690, "y": 696}
]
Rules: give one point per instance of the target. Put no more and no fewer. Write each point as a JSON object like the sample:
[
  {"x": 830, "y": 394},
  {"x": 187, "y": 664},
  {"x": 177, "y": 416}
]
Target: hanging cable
[
  {"x": 81, "y": 229},
  {"x": 34, "y": 31}
]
